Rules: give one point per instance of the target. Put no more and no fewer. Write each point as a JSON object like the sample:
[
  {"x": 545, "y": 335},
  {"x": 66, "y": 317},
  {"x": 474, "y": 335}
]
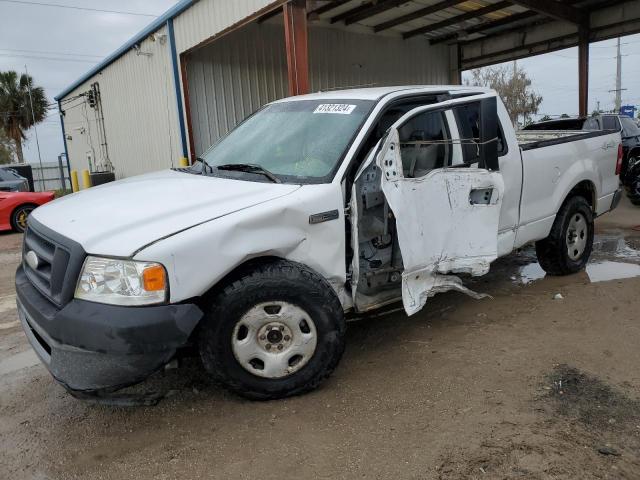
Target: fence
[{"x": 50, "y": 173}]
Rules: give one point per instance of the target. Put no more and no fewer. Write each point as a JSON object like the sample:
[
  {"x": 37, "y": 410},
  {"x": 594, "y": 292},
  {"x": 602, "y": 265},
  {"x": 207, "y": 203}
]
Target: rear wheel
[
  {"x": 568, "y": 247},
  {"x": 633, "y": 189},
  {"x": 276, "y": 331},
  {"x": 19, "y": 217}
]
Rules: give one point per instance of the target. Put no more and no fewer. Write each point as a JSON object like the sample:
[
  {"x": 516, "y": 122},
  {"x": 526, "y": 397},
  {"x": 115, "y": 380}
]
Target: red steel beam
[
  {"x": 295, "y": 34},
  {"x": 583, "y": 71}
]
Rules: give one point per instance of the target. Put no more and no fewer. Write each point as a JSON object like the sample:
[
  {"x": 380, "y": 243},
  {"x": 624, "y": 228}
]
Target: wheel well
[
  {"x": 584, "y": 189},
  {"x": 239, "y": 271}
]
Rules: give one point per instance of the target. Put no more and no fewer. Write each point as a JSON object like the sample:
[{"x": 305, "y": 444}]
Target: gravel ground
[{"x": 522, "y": 385}]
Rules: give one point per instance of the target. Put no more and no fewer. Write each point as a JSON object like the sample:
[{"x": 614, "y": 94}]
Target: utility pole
[
  {"x": 618, "y": 79},
  {"x": 33, "y": 118},
  {"x": 618, "y": 89}
]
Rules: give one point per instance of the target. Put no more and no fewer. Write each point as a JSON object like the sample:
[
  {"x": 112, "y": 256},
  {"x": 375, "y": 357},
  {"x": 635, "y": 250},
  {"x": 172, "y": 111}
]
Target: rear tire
[
  {"x": 19, "y": 217},
  {"x": 239, "y": 349},
  {"x": 568, "y": 247}
]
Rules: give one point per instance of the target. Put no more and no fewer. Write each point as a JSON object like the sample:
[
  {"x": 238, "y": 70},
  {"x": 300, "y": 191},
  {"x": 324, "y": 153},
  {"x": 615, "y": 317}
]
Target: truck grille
[{"x": 56, "y": 269}]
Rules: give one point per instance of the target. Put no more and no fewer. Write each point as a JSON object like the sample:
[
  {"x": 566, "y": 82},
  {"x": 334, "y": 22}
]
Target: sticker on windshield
[{"x": 340, "y": 108}]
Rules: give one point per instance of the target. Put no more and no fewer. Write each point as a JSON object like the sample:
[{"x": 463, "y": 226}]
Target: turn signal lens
[{"x": 153, "y": 278}]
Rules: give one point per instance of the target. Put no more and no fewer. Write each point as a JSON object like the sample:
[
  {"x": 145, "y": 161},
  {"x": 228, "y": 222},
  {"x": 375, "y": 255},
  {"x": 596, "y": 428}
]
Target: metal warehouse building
[{"x": 203, "y": 66}]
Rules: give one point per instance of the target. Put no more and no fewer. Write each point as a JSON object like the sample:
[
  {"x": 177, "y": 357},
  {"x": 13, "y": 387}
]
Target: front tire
[
  {"x": 275, "y": 331},
  {"x": 19, "y": 217},
  {"x": 568, "y": 247}
]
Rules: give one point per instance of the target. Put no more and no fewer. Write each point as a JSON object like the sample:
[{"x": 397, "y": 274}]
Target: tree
[
  {"x": 514, "y": 87},
  {"x": 15, "y": 107},
  {"x": 6, "y": 149},
  {"x": 564, "y": 115},
  {"x": 546, "y": 118}
]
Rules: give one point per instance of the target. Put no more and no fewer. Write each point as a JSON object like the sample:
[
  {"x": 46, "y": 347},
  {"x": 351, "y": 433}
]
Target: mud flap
[{"x": 447, "y": 222}]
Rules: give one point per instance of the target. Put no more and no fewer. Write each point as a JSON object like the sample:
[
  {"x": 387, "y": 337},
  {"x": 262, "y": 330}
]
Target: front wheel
[
  {"x": 568, "y": 247},
  {"x": 276, "y": 331},
  {"x": 19, "y": 217}
]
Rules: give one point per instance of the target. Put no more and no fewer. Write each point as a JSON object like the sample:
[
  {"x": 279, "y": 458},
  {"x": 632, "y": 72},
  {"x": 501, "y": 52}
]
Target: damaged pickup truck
[{"x": 314, "y": 208}]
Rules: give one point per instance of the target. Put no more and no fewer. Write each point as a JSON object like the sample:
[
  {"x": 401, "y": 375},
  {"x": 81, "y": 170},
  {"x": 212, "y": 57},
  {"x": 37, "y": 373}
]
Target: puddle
[
  {"x": 530, "y": 273},
  {"x": 605, "y": 271},
  {"x": 17, "y": 362},
  {"x": 614, "y": 257},
  {"x": 616, "y": 246}
]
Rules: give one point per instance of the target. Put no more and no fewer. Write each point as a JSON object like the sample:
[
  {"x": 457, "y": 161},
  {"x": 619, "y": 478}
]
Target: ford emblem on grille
[{"x": 32, "y": 259}]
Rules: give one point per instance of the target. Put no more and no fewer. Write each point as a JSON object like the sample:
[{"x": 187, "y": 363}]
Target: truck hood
[{"x": 122, "y": 217}]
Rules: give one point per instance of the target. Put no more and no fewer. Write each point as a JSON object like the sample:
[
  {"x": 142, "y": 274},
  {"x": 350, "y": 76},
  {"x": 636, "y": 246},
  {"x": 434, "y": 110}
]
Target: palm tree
[{"x": 15, "y": 107}]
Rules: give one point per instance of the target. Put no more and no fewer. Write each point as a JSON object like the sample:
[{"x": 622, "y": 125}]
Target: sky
[
  {"x": 58, "y": 45},
  {"x": 555, "y": 76}
]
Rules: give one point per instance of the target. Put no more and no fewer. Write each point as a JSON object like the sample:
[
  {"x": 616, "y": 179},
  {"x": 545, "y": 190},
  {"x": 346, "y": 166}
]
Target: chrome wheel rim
[
  {"x": 577, "y": 233},
  {"x": 274, "y": 339}
]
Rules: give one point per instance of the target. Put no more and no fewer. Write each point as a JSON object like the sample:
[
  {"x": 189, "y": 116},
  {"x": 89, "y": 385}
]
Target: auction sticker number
[{"x": 339, "y": 108}]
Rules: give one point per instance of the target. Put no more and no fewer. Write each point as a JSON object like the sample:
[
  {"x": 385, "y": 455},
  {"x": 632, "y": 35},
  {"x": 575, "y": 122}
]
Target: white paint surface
[{"x": 439, "y": 230}]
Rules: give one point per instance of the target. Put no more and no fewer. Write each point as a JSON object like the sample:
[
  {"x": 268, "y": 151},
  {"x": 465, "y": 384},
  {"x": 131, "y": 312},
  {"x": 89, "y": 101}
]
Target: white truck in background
[{"x": 313, "y": 207}]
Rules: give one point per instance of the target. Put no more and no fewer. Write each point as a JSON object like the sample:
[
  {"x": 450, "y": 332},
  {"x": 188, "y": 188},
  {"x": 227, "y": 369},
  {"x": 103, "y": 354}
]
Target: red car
[{"x": 15, "y": 207}]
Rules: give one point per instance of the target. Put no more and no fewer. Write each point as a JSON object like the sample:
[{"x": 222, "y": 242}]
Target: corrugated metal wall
[
  {"x": 141, "y": 121},
  {"x": 340, "y": 58},
  {"x": 209, "y": 17},
  {"x": 139, "y": 104},
  {"x": 232, "y": 77},
  {"x": 228, "y": 79}
]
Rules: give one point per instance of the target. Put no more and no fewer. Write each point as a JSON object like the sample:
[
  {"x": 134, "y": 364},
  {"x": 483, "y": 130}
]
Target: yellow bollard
[
  {"x": 75, "y": 186},
  {"x": 86, "y": 179},
  {"x": 183, "y": 162}
]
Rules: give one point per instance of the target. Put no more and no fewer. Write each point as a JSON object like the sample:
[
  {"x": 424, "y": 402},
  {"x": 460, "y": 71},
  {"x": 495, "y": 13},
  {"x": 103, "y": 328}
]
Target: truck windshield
[{"x": 297, "y": 141}]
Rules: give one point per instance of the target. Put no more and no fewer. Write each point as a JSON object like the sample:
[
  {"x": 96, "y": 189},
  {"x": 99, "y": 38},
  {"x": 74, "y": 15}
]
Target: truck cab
[{"x": 313, "y": 207}]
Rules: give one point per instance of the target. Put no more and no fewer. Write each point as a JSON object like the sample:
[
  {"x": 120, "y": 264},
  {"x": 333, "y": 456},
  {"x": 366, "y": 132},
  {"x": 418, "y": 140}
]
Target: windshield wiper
[
  {"x": 250, "y": 168},
  {"x": 205, "y": 166}
]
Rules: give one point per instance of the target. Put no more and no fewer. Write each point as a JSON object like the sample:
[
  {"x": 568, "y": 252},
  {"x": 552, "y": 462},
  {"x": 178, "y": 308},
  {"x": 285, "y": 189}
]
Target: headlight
[{"x": 122, "y": 282}]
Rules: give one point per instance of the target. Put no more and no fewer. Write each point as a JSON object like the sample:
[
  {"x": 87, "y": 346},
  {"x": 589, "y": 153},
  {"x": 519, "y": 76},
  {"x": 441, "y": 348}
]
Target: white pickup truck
[{"x": 313, "y": 207}]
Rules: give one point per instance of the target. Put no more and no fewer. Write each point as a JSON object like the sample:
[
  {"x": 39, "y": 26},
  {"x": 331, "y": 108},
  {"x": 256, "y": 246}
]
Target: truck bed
[{"x": 530, "y": 139}]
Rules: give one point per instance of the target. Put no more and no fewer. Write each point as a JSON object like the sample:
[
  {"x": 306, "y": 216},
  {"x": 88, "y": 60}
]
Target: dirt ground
[{"x": 523, "y": 385}]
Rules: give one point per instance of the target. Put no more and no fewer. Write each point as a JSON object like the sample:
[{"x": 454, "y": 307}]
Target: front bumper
[{"x": 92, "y": 347}]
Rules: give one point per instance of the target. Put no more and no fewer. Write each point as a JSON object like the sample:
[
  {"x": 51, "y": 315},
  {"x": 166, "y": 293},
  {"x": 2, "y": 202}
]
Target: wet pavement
[{"x": 616, "y": 255}]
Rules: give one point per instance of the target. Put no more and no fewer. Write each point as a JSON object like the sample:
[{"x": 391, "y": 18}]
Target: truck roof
[{"x": 376, "y": 93}]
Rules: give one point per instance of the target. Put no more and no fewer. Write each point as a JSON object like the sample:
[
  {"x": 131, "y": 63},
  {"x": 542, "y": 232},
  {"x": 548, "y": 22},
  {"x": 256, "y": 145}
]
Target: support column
[
  {"x": 178, "y": 93},
  {"x": 295, "y": 32},
  {"x": 583, "y": 71}
]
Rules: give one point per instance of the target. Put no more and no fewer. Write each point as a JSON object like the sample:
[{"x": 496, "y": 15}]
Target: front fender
[{"x": 198, "y": 258}]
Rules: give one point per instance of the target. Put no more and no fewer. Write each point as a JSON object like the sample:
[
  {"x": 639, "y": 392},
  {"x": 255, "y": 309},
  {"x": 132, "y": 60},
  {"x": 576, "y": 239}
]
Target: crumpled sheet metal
[{"x": 439, "y": 230}]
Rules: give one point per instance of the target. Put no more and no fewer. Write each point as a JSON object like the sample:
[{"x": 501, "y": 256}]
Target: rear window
[{"x": 610, "y": 122}]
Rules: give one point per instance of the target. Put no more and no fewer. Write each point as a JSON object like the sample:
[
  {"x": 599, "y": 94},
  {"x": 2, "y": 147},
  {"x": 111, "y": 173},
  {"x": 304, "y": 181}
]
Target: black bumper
[{"x": 92, "y": 347}]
